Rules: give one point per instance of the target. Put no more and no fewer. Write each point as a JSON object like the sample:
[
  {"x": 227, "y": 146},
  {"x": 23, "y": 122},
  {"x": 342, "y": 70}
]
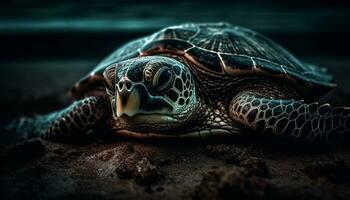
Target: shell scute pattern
[
  {"x": 217, "y": 48},
  {"x": 222, "y": 48}
]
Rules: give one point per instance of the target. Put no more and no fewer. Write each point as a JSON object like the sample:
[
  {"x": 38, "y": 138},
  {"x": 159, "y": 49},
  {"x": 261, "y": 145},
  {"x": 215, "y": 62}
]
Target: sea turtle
[{"x": 200, "y": 80}]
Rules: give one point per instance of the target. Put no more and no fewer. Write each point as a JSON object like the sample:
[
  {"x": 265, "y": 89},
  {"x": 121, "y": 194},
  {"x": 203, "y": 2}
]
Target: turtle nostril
[
  {"x": 120, "y": 84},
  {"x": 128, "y": 85}
]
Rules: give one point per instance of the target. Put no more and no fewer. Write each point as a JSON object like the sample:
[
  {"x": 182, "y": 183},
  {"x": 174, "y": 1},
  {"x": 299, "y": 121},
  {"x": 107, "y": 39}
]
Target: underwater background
[{"x": 46, "y": 46}]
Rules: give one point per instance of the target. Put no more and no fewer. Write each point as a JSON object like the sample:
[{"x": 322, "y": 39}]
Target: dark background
[
  {"x": 91, "y": 29},
  {"x": 46, "y": 46}
]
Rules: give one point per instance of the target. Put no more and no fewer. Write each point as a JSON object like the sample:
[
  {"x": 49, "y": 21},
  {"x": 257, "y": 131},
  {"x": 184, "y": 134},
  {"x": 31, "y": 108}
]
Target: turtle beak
[
  {"x": 128, "y": 102},
  {"x": 135, "y": 100}
]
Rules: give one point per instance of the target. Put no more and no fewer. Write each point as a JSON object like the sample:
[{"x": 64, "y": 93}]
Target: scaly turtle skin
[{"x": 198, "y": 80}]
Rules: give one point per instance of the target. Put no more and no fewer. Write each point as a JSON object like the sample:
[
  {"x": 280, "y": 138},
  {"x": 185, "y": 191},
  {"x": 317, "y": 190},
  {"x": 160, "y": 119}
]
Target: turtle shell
[{"x": 217, "y": 48}]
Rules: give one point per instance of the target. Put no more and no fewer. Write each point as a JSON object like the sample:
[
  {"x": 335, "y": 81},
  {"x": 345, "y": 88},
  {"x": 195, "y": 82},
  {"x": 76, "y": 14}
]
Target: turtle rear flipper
[
  {"x": 295, "y": 119},
  {"x": 67, "y": 123}
]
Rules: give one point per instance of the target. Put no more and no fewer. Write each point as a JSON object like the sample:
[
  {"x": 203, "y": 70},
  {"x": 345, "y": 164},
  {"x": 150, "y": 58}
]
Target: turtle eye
[{"x": 162, "y": 78}]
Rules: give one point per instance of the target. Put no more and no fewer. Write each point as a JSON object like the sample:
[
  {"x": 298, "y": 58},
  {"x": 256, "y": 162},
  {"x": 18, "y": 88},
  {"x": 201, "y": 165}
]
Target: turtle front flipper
[
  {"x": 295, "y": 119},
  {"x": 70, "y": 122}
]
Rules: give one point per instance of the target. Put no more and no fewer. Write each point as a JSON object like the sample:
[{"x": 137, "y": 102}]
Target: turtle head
[{"x": 151, "y": 94}]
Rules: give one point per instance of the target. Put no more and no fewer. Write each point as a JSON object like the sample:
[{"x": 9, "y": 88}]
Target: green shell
[{"x": 221, "y": 48}]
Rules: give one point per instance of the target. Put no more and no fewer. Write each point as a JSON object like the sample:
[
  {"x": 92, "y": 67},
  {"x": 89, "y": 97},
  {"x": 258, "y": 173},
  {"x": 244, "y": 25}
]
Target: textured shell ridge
[{"x": 219, "y": 48}]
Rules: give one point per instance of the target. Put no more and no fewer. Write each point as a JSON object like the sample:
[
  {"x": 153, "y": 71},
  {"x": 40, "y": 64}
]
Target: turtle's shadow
[{"x": 268, "y": 143}]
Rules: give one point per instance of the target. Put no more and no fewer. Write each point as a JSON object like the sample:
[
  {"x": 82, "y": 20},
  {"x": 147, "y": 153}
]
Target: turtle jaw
[
  {"x": 139, "y": 111},
  {"x": 141, "y": 119},
  {"x": 136, "y": 101},
  {"x": 135, "y": 107},
  {"x": 163, "y": 125}
]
